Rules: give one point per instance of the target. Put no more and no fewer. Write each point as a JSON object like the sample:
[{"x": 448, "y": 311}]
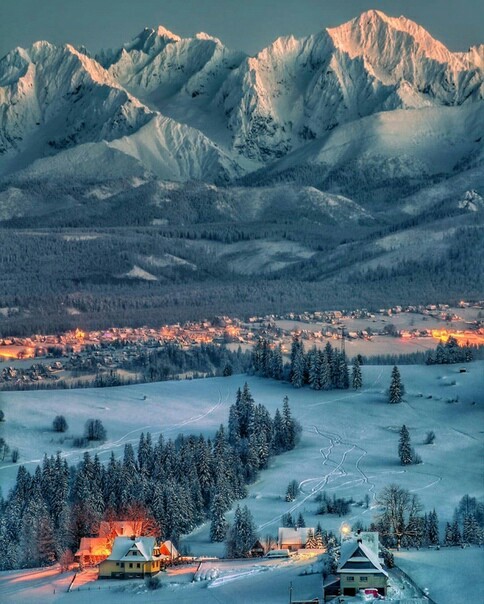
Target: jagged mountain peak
[
  {"x": 201, "y": 35},
  {"x": 163, "y": 32},
  {"x": 374, "y": 30}
]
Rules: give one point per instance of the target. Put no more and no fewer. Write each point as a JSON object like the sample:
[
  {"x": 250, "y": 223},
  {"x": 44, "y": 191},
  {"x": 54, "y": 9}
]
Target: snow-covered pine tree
[
  {"x": 470, "y": 530},
  {"x": 241, "y": 535},
  {"x": 396, "y": 388},
  {"x": 310, "y": 540},
  {"x": 456, "y": 536},
  {"x": 318, "y": 536},
  {"x": 276, "y": 363},
  {"x": 287, "y": 520},
  {"x": 343, "y": 373},
  {"x": 404, "y": 447},
  {"x": 298, "y": 367},
  {"x": 288, "y": 426},
  {"x": 433, "y": 528},
  {"x": 356, "y": 377},
  {"x": 313, "y": 361},
  {"x": 326, "y": 378},
  {"x": 218, "y": 526},
  {"x": 300, "y": 522},
  {"x": 448, "y": 538},
  {"x": 278, "y": 438},
  {"x": 292, "y": 490}
]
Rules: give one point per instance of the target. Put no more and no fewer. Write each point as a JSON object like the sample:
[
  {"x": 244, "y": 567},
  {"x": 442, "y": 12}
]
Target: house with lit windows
[
  {"x": 360, "y": 568},
  {"x": 133, "y": 558}
]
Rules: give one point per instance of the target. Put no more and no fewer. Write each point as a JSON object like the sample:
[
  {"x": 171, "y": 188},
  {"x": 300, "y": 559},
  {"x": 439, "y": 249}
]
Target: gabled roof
[
  {"x": 168, "y": 549},
  {"x": 123, "y": 548},
  {"x": 357, "y": 557}
]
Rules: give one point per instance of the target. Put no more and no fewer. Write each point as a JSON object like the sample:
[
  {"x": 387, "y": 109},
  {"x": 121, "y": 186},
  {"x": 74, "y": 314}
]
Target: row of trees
[
  {"x": 321, "y": 369},
  {"x": 448, "y": 353},
  {"x": 402, "y": 522},
  {"x": 169, "y": 486}
]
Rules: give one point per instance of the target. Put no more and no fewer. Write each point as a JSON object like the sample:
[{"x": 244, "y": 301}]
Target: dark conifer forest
[{"x": 170, "y": 486}]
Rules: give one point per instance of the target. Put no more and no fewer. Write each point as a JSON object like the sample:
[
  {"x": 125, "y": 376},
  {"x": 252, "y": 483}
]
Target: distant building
[
  {"x": 257, "y": 550},
  {"x": 133, "y": 558},
  {"x": 293, "y": 538},
  {"x": 93, "y": 550},
  {"x": 360, "y": 568}
]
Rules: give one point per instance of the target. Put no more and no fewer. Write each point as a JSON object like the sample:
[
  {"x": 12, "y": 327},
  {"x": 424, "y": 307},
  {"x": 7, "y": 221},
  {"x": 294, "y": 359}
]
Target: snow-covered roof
[
  {"x": 358, "y": 557},
  {"x": 168, "y": 549},
  {"x": 125, "y": 548},
  {"x": 294, "y": 536}
]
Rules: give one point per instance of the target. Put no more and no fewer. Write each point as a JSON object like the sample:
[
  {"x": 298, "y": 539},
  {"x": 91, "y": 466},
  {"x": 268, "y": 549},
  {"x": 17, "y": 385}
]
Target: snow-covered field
[
  {"x": 348, "y": 447},
  {"x": 452, "y": 575}
]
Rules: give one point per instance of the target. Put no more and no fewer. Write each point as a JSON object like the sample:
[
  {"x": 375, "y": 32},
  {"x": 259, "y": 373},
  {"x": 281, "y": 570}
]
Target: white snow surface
[{"x": 348, "y": 447}]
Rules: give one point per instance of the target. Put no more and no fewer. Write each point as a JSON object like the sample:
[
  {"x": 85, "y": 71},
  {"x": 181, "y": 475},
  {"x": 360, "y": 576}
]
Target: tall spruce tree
[
  {"x": 242, "y": 534},
  {"x": 356, "y": 377},
  {"x": 395, "y": 394},
  {"x": 298, "y": 363},
  {"x": 404, "y": 447},
  {"x": 433, "y": 528},
  {"x": 218, "y": 526}
]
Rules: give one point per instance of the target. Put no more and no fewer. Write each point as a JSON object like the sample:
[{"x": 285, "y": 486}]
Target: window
[
  {"x": 122, "y": 564},
  {"x": 350, "y": 578},
  {"x": 363, "y": 579},
  {"x": 138, "y": 565},
  {"x": 117, "y": 563},
  {"x": 130, "y": 565}
]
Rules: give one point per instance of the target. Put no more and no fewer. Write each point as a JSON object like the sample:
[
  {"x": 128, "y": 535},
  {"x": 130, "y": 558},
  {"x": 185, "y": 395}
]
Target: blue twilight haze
[{"x": 248, "y": 25}]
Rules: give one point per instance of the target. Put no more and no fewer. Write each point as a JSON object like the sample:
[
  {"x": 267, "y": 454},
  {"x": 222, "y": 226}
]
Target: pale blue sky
[{"x": 242, "y": 24}]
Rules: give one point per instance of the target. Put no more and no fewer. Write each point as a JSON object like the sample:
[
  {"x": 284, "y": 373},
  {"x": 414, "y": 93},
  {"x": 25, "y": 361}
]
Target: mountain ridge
[{"x": 193, "y": 109}]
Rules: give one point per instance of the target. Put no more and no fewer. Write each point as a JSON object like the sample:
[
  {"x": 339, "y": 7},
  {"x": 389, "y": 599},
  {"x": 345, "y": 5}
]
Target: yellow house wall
[
  {"x": 373, "y": 581},
  {"x": 107, "y": 567}
]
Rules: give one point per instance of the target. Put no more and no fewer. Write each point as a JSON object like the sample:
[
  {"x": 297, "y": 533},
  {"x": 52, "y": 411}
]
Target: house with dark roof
[
  {"x": 133, "y": 558},
  {"x": 360, "y": 568}
]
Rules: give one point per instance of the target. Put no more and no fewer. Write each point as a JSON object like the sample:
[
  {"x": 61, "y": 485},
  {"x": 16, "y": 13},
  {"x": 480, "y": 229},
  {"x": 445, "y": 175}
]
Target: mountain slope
[
  {"x": 53, "y": 98},
  {"x": 296, "y": 90}
]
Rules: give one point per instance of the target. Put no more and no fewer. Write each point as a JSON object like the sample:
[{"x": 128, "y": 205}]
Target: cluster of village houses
[{"x": 121, "y": 552}]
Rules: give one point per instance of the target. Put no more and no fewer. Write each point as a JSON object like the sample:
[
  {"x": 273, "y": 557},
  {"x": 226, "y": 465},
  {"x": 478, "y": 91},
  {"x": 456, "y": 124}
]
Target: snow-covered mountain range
[{"x": 376, "y": 91}]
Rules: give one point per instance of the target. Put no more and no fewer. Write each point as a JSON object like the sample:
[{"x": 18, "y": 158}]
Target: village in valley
[
  {"x": 78, "y": 356},
  {"x": 327, "y": 536}
]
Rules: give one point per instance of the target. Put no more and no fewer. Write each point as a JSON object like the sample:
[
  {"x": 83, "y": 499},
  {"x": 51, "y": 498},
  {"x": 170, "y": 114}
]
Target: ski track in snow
[
  {"x": 339, "y": 471},
  {"x": 107, "y": 447}
]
